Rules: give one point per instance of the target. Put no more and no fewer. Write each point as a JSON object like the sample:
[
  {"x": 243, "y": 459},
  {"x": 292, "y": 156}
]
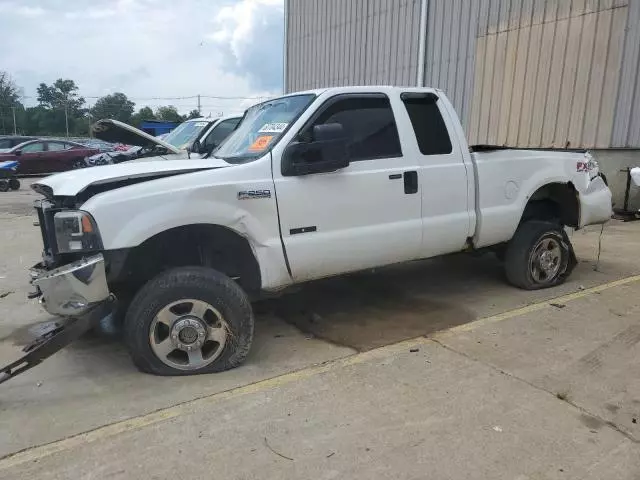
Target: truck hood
[
  {"x": 72, "y": 183},
  {"x": 115, "y": 131}
]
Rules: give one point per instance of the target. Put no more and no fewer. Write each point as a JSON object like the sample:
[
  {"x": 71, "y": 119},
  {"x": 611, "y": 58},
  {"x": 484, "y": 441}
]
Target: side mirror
[{"x": 327, "y": 152}]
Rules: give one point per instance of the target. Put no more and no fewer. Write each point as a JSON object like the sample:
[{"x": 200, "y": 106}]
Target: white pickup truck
[{"x": 309, "y": 185}]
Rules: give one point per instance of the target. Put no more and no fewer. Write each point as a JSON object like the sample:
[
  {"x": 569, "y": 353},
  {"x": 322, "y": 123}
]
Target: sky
[{"x": 148, "y": 48}]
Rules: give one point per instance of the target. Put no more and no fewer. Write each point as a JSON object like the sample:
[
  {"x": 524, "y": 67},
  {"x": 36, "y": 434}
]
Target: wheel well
[
  {"x": 191, "y": 245},
  {"x": 556, "y": 202}
]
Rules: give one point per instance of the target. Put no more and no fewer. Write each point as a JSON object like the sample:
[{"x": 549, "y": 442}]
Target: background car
[
  {"x": 205, "y": 133},
  {"x": 48, "y": 156},
  {"x": 93, "y": 143},
  {"x": 115, "y": 156},
  {"x": 8, "y": 142}
]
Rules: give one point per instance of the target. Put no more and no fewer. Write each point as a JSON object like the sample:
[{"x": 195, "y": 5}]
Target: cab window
[
  {"x": 368, "y": 123},
  {"x": 220, "y": 132}
]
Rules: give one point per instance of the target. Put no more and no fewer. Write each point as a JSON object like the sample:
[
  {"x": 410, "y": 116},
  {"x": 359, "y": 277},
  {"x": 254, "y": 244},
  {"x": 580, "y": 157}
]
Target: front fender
[{"x": 129, "y": 216}]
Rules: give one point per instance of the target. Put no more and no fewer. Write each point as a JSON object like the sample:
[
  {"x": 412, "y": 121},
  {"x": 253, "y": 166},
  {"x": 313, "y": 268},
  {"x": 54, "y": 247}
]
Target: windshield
[
  {"x": 262, "y": 127},
  {"x": 184, "y": 134}
]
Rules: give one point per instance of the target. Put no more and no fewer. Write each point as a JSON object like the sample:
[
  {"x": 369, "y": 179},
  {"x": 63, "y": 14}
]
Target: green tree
[
  {"x": 193, "y": 114},
  {"x": 63, "y": 92},
  {"x": 116, "y": 106},
  {"x": 9, "y": 103},
  {"x": 9, "y": 91},
  {"x": 169, "y": 114},
  {"x": 61, "y": 109},
  {"x": 145, "y": 113}
]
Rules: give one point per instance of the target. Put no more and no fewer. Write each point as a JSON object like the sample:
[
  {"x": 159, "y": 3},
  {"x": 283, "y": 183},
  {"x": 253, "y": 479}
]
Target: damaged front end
[{"x": 75, "y": 290}]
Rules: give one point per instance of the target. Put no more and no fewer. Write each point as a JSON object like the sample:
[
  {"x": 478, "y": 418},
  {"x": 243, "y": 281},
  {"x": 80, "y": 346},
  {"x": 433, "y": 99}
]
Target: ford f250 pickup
[{"x": 309, "y": 185}]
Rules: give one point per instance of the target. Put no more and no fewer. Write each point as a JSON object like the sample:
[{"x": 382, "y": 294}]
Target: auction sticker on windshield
[
  {"x": 273, "y": 128},
  {"x": 261, "y": 143}
]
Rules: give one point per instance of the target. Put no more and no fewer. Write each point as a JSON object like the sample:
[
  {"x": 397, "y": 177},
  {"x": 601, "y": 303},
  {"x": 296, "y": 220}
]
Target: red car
[{"x": 48, "y": 156}]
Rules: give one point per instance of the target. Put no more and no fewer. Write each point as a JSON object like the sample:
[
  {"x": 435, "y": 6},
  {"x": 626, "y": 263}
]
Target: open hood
[
  {"x": 71, "y": 183},
  {"x": 114, "y": 131}
]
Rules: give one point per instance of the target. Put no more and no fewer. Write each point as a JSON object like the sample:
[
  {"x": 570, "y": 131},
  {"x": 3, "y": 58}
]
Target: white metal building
[{"x": 521, "y": 73}]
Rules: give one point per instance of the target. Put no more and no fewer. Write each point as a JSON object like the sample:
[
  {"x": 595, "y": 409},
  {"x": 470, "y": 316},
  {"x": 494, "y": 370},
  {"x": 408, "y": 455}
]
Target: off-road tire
[
  {"x": 521, "y": 248},
  {"x": 14, "y": 184},
  {"x": 199, "y": 283}
]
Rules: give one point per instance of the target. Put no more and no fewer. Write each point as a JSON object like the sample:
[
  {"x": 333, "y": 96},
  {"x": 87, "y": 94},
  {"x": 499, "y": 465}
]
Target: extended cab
[{"x": 309, "y": 185}]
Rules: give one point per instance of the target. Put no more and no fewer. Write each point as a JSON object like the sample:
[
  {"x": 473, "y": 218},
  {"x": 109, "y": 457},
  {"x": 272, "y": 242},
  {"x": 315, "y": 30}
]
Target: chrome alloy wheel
[
  {"x": 188, "y": 334},
  {"x": 545, "y": 260}
]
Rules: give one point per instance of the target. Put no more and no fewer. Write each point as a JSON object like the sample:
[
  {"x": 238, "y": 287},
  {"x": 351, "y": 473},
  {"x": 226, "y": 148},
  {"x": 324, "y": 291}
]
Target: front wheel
[
  {"x": 187, "y": 321},
  {"x": 539, "y": 256}
]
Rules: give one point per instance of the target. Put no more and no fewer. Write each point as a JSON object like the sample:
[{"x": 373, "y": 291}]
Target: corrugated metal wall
[
  {"x": 351, "y": 42},
  {"x": 539, "y": 73},
  {"x": 525, "y": 73}
]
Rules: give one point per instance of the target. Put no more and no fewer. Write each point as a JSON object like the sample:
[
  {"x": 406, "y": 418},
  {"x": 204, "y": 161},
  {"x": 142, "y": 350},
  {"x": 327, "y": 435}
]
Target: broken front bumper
[
  {"x": 73, "y": 289},
  {"x": 78, "y": 291}
]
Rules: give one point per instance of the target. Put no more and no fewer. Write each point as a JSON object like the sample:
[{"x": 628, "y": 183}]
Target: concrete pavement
[
  {"x": 542, "y": 391},
  {"x": 418, "y": 409}
]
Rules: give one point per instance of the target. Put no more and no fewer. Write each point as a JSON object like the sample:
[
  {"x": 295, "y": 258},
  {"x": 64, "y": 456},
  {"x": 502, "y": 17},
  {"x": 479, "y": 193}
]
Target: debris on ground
[
  {"x": 266, "y": 443},
  {"x": 6, "y": 294},
  {"x": 414, "y": 350},
  {"x": 557, "y": 305},
  {"x": 497, "y": 428}
]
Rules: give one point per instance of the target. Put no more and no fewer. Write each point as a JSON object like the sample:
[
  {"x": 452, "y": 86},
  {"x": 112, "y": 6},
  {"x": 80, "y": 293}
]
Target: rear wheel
[
  {"x": 187, "y": 321},
  {"x": 4, "y": 185},
  {"x": 14, "y": 184},
  {"x": 538, "y": 256}
]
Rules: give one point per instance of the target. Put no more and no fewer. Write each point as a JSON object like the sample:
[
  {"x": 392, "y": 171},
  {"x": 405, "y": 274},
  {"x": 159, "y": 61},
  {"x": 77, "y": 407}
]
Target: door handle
[
  {"x": 411, "y": 182},
  {"x": 395, "y": 176}
]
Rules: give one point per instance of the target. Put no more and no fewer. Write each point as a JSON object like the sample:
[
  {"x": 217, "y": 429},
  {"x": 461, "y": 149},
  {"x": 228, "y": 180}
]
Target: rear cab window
[{"x": 429, "y": 127}]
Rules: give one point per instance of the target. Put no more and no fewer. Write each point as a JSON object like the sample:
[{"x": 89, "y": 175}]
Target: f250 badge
[{"x": 253, "y": 194}]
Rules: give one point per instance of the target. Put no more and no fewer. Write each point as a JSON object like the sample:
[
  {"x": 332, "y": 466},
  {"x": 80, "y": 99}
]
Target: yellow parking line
[
  {"x": 539, "y": 306},
  {"x": 36, "y": 453},
  {"x": 137, "y": 423}
]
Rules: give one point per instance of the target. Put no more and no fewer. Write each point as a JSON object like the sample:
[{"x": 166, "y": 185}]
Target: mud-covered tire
[
  {"x": 522, "y": 262},
  {"x": 14, "y": 184},
  {"x": 199, "y": 283}
]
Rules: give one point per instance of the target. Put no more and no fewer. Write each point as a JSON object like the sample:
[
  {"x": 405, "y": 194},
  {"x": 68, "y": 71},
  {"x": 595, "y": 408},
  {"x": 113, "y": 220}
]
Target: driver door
[
  {"x": 32, "y": 159},
  {"x": 362, "y": 216}
]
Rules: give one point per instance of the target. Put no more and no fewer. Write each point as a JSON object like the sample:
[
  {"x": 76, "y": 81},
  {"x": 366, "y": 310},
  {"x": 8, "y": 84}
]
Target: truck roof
[
  {"x": 364, "y": 88},
  {"x": 213, "y": 119}
]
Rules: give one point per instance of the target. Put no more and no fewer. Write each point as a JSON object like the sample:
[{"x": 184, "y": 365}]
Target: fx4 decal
[
  {"x": 253, "y": 194},
  {"x": 585, "y": 166}
]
